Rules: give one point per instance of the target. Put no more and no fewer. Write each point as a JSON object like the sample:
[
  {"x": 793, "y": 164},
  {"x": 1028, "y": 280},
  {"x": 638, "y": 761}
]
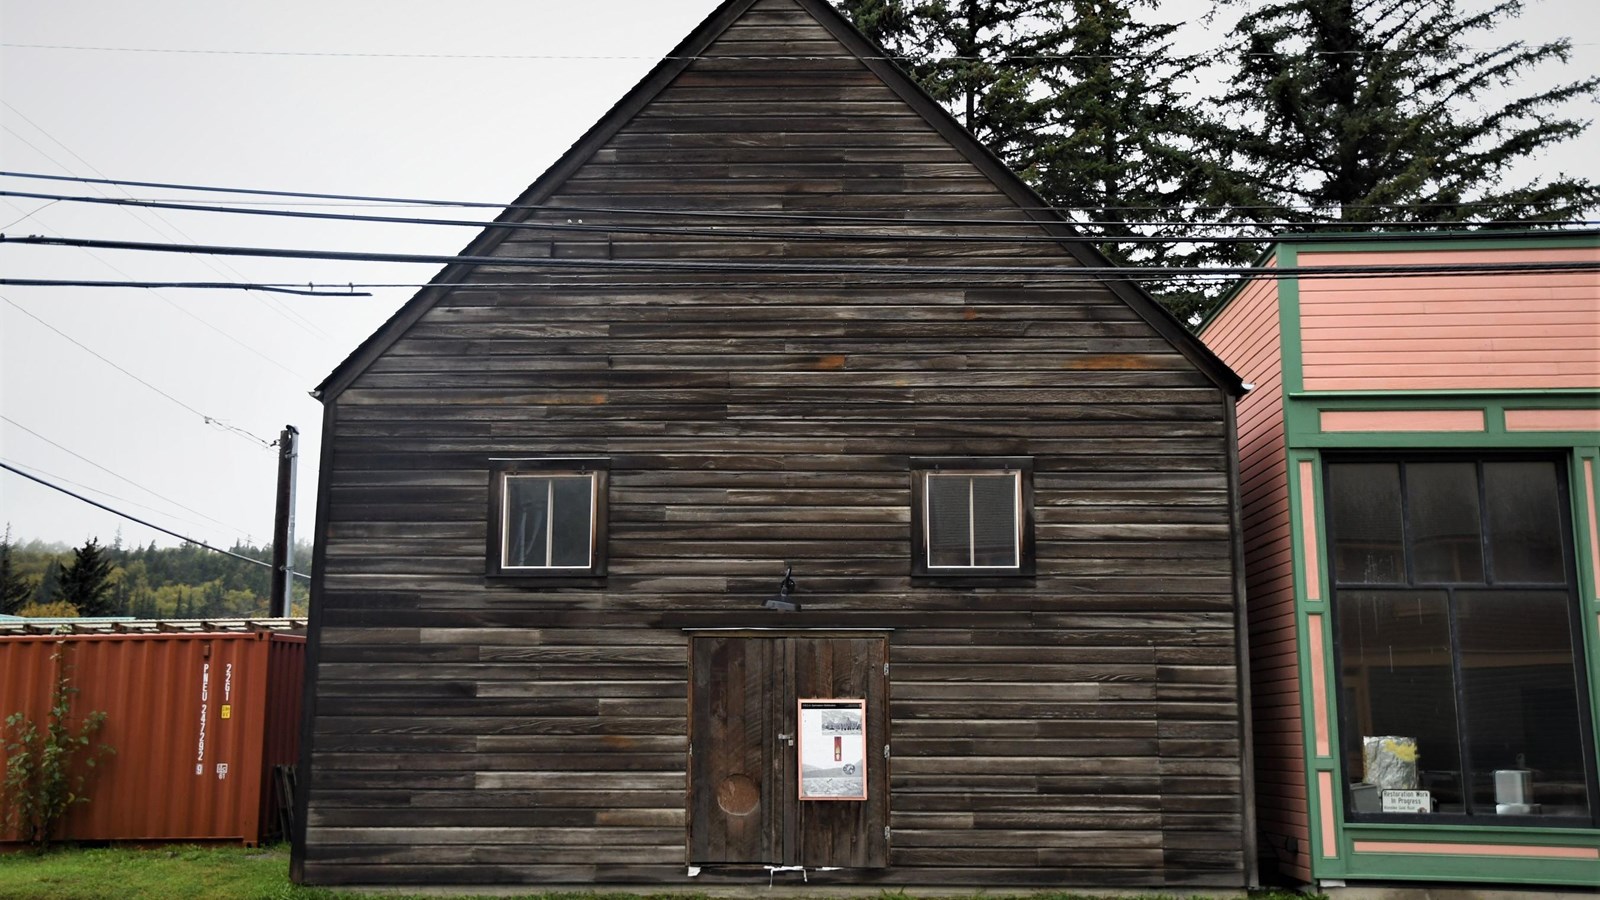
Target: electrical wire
[
  {"x": 760, "y": 234},
  {"x": 308, "y": 291},
  {"x": 752, "y": 214},
  {"x": 168, "y": 301},
  {"x": 1171, "y": 208},
  {"x": 28, "y": 216},
  {"x": 999, "y": 60},
  {"x": 1043, "y": 279},
  {"x": 105, "y": 493},
  {"x": 209, "y": 420},
  {"x": 288, "y": 314},
  {"x": 68, "y": 450},
  {"x": 823, "y": 266},
  {"x": 255, "y": 562}
]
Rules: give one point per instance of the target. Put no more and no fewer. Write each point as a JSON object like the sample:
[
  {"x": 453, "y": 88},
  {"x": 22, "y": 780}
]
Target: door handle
[{"x": 787, "y": 737}]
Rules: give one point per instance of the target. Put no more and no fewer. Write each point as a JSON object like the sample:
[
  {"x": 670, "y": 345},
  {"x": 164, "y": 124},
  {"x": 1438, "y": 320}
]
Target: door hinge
[
  {"x": 886, "y": 833},
  {"x": 886, "y": 670},
  {"x": 885, "y": 751}
]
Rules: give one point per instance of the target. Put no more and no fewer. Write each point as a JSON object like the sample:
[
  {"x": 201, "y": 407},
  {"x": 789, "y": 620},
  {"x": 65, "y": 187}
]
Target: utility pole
[{"x": 283, "y": 524}]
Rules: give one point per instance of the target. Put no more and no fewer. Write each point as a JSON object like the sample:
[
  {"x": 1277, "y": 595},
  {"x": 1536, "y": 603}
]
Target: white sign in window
[{"x": 1407, "y": 802}]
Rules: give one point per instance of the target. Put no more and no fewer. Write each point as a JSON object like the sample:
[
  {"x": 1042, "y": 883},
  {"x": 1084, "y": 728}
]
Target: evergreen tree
[
  {"x": 86, "y": 581},
  {"x": 15, "y": 590},
  {"x": 984, "y": 61},
  {"x": 1084, "y": 101},
  {"x": 49, "y": 588},
  {"x": 146, "y": 582},
  {"x": 211, "y": 601},
  {"x": 142, "y": 604},
  {"x": 1128, "y": 146},
  {"x": 1377, "y": 111}
]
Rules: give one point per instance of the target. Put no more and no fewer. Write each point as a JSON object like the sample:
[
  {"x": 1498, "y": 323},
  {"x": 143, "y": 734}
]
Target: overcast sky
[{"x": 378, "y": 97}]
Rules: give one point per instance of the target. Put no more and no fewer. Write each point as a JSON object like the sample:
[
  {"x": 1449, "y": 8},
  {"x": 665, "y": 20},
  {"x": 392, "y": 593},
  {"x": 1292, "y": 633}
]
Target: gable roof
[{"x": 662, "y": 75}]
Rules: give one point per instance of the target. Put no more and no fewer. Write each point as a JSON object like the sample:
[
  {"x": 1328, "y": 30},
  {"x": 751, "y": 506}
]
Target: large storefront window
[{"x": 1460, "y": 663}]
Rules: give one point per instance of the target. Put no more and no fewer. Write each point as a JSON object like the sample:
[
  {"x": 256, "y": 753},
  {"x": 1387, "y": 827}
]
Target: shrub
[{"x": 42, "y": 780}]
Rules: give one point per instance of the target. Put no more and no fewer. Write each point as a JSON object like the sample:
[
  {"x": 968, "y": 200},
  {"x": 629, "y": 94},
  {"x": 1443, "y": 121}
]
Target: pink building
[{"x": 1417, "y": 469}]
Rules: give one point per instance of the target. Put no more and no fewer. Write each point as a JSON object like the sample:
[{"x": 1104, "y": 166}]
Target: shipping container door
[{"x": 747, "y": 731}]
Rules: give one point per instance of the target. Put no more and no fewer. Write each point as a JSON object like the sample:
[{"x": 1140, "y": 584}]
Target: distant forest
[{"x": 39, "y": 579}]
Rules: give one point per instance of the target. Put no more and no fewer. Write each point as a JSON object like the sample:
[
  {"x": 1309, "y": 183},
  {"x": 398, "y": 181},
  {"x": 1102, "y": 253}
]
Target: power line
[
  {"x": 757, "y": 234},
  {"x": 736, "y": 214},
  {"x": 168, "y": 301},
  {"x": 1175, "y": 208},
  {"x": 68, "y": 450},
  {"x": 28, "y": 216},
  {"x": 581, "y": 266},
  {"x": 1042, "y": 57},
  {"x": 255, "y": 562},
  {"x": 1062, "y": 275},
  {"x": 307, "y": 291},
  {"x": 303, "y": 323},
  {"x": 209, "y": 420},
  {"x": 105, "y": 493}
]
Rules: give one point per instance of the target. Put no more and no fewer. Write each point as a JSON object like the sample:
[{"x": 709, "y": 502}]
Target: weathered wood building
[
  {"x": 1418, "y": 481},
  {"x": 777, "y": 311}
]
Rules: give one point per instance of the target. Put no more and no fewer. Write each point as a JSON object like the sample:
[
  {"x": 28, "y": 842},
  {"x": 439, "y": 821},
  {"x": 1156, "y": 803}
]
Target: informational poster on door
[{"x": 833, "y": 745}]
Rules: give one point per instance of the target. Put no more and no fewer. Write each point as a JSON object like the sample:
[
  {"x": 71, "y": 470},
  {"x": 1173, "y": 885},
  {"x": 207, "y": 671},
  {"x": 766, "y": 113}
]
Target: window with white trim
[
  {"x": 547, "y": 517},
  {"x": 972, "y": 516}
]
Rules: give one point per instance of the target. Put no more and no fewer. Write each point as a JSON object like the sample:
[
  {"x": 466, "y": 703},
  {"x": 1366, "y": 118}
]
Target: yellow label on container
[{"x": 227, "y": 711}]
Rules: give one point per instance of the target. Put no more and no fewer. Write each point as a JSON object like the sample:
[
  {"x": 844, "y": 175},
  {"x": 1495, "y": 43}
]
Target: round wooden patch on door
[{"x": 738, "y": 795}]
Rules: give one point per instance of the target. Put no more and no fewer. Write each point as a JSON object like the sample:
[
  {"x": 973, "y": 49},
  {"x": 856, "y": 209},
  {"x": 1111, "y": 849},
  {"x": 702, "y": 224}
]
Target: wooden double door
[{"x": 745, "y": 736}]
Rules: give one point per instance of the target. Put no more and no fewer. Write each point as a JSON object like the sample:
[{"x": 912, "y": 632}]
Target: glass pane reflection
[
  {"x": 1398, "y": 682},
  {"x": 994, "y": 520},
  {"x": 1442, "y": 506},
  {"x": 527, "y": 521},
  {"x": 949, "y": 520},
  {"x": 1524, "y": 522},
  {"x": 1521, "y": 696},
  {"x": 1363, "y": 506}
]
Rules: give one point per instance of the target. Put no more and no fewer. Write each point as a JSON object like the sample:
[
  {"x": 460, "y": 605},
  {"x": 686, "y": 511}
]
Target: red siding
[
  {"x": 286, "y": 665},
  {"x": 1246, "y": 336},
  {"x": 187, "y": 717},
  {"x": 1477, "y": 330}
]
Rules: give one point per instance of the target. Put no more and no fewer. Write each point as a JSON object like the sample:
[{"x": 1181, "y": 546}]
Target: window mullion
[
  {"x": 1458, "y": 683},
  {"x": 549, "y": 521},
  {"x": 1490, "y": 576},
  {"x": 1016, "y": 518},
  {"x": 972, "y": 524},
  {"x": 1407, "y": 572}
]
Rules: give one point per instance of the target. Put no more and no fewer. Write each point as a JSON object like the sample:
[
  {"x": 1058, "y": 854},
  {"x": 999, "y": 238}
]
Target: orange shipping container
[{"x": 197, "y": 722}]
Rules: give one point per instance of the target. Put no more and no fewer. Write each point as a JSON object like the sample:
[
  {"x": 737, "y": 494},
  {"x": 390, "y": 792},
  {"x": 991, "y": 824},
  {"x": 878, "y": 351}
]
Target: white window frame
[
  {"x": 1020, "y": 470},
  {"x": 502, "y": 474}
]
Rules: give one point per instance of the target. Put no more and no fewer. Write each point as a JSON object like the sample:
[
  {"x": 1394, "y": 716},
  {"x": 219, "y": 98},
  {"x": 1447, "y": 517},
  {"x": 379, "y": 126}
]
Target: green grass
[
  {"x": 240, "y": 873},
  {"x": 222, "y": 872}
]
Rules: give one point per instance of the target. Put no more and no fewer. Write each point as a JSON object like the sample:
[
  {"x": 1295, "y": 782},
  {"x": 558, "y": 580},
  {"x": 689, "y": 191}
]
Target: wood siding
[
  {"x": 1079, "y": 727},
  {"x": 1247, "y": 334},
  {"x": 1488, "y": 331}
]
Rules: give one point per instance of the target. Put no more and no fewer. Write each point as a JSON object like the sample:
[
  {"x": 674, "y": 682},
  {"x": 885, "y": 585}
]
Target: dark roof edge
[
  {"x": 1025, "y": 197},
  {"x": 575, "y": 156}
]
